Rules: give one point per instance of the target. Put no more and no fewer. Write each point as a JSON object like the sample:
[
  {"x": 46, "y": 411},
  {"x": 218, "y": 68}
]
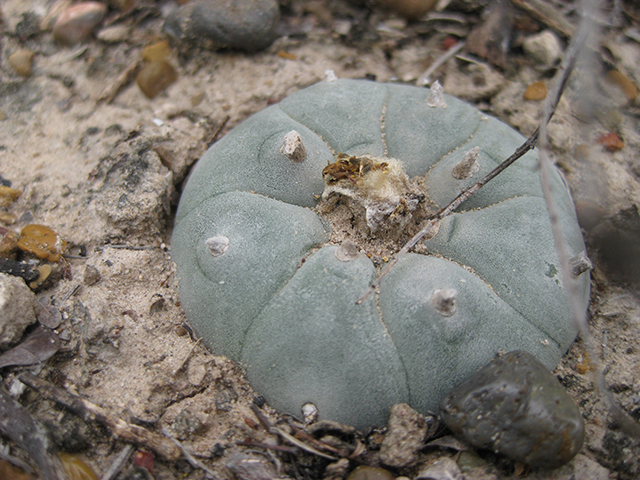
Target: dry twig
[
  {"x": 286, "y": 436},
  {"x": 91, "y": 412},
  {"x": 117, "y": 463}
]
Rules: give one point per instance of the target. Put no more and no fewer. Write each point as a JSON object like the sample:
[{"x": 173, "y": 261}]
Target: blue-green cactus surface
[{"x": 260, "y": 284}]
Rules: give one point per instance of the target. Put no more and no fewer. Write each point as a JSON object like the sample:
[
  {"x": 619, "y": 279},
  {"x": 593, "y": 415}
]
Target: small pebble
[
  {"x": 535, "y": 91},
  {"x": 9, "y": 244},
  {"x": 448, "y": 42},
  {"x": 590, "y": 214},
  {"x": 410, "y": 9},
  {"x": 287, "y": 55},
  {"x": 242, "y": 24},
  {"x": 197, "y": 99},
  {"x": 610, "y": 141},
  {"x": 407, "y": 431},
  {"x": 543, "y": 47},
  {"x": 181, "y": 331},
  {"x": 436, "y": 96},
  {"x": 623, "y": 82},
  {"x": 42, "y": 241},
  {"x": 91, "y": 275},
  {"x": 28, "y": 27},
  {"x": 44, "y": 272},
  {"x": 8, "y": 195},
  {"x": 186, "y": 424},
  {"x": 155, "y": 77},
  {"x": 114, "y": 34},
  {"x": 8, "y": 218},
  {"x": 156, "y": 51},
  {"x": 21, "y": 61},
  {"x": 516, "y": 407},
  {"x": 17, "y": 309},
  {"x": 364, "y": 472},
  {"x": 77, "y": 22}
]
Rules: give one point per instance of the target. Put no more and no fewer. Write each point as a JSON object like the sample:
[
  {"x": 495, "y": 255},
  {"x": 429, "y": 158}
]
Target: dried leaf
[
  {"x": 39, "y": 346},
  {"x": 47, "y": 316}
]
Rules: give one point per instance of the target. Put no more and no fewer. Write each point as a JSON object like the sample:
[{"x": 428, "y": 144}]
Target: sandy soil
[{"x": 107, "y": 176}]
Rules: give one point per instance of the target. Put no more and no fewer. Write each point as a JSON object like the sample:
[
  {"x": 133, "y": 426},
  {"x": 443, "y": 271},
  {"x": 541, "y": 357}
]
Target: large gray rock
[
  {"x": 516, "y": 407},
  {"x": 17, "y": 309},
  {"x": 243, "y": 24}
]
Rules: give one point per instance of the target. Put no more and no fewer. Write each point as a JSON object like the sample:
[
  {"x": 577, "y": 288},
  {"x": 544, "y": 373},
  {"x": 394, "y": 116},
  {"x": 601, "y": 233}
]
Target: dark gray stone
[
  {"x": 243, "y": 24},
  {"x": 516, "y": 407}
]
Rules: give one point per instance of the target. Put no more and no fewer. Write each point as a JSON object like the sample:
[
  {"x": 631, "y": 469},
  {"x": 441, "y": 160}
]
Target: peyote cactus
[{"x": 270, "y": 269}]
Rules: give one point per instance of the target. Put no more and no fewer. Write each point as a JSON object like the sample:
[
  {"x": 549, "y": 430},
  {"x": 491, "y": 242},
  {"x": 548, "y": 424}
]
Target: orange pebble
[
  {"x": 448, "y": 42},
  {"x": 157, "y": 51},
  {"x": 156, "y": 77},
  {"x": 535, "y": 91},
  {"x": 21, "y": 61},
  {"x": 42, "y": 241},
  {"x": 287, "y": 55},
  {"x": 8, "y": 195},
  {"x": 623, "y": 82},
  {"x": 610, "y": 141}
]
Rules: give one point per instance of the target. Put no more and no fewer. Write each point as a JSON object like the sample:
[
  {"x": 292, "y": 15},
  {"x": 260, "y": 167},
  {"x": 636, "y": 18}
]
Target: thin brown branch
[
  {"x": 117, "y": 463},
  {"x": 91, "y": 412},
  {"x": 266, "y": 446},
  {"x": 286, "y": 436},
  {"x": 305, "y": 437}
]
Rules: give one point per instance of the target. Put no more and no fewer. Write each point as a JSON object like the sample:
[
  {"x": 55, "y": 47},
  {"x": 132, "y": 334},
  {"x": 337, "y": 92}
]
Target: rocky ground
[{"x": 102, "y": 164}]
